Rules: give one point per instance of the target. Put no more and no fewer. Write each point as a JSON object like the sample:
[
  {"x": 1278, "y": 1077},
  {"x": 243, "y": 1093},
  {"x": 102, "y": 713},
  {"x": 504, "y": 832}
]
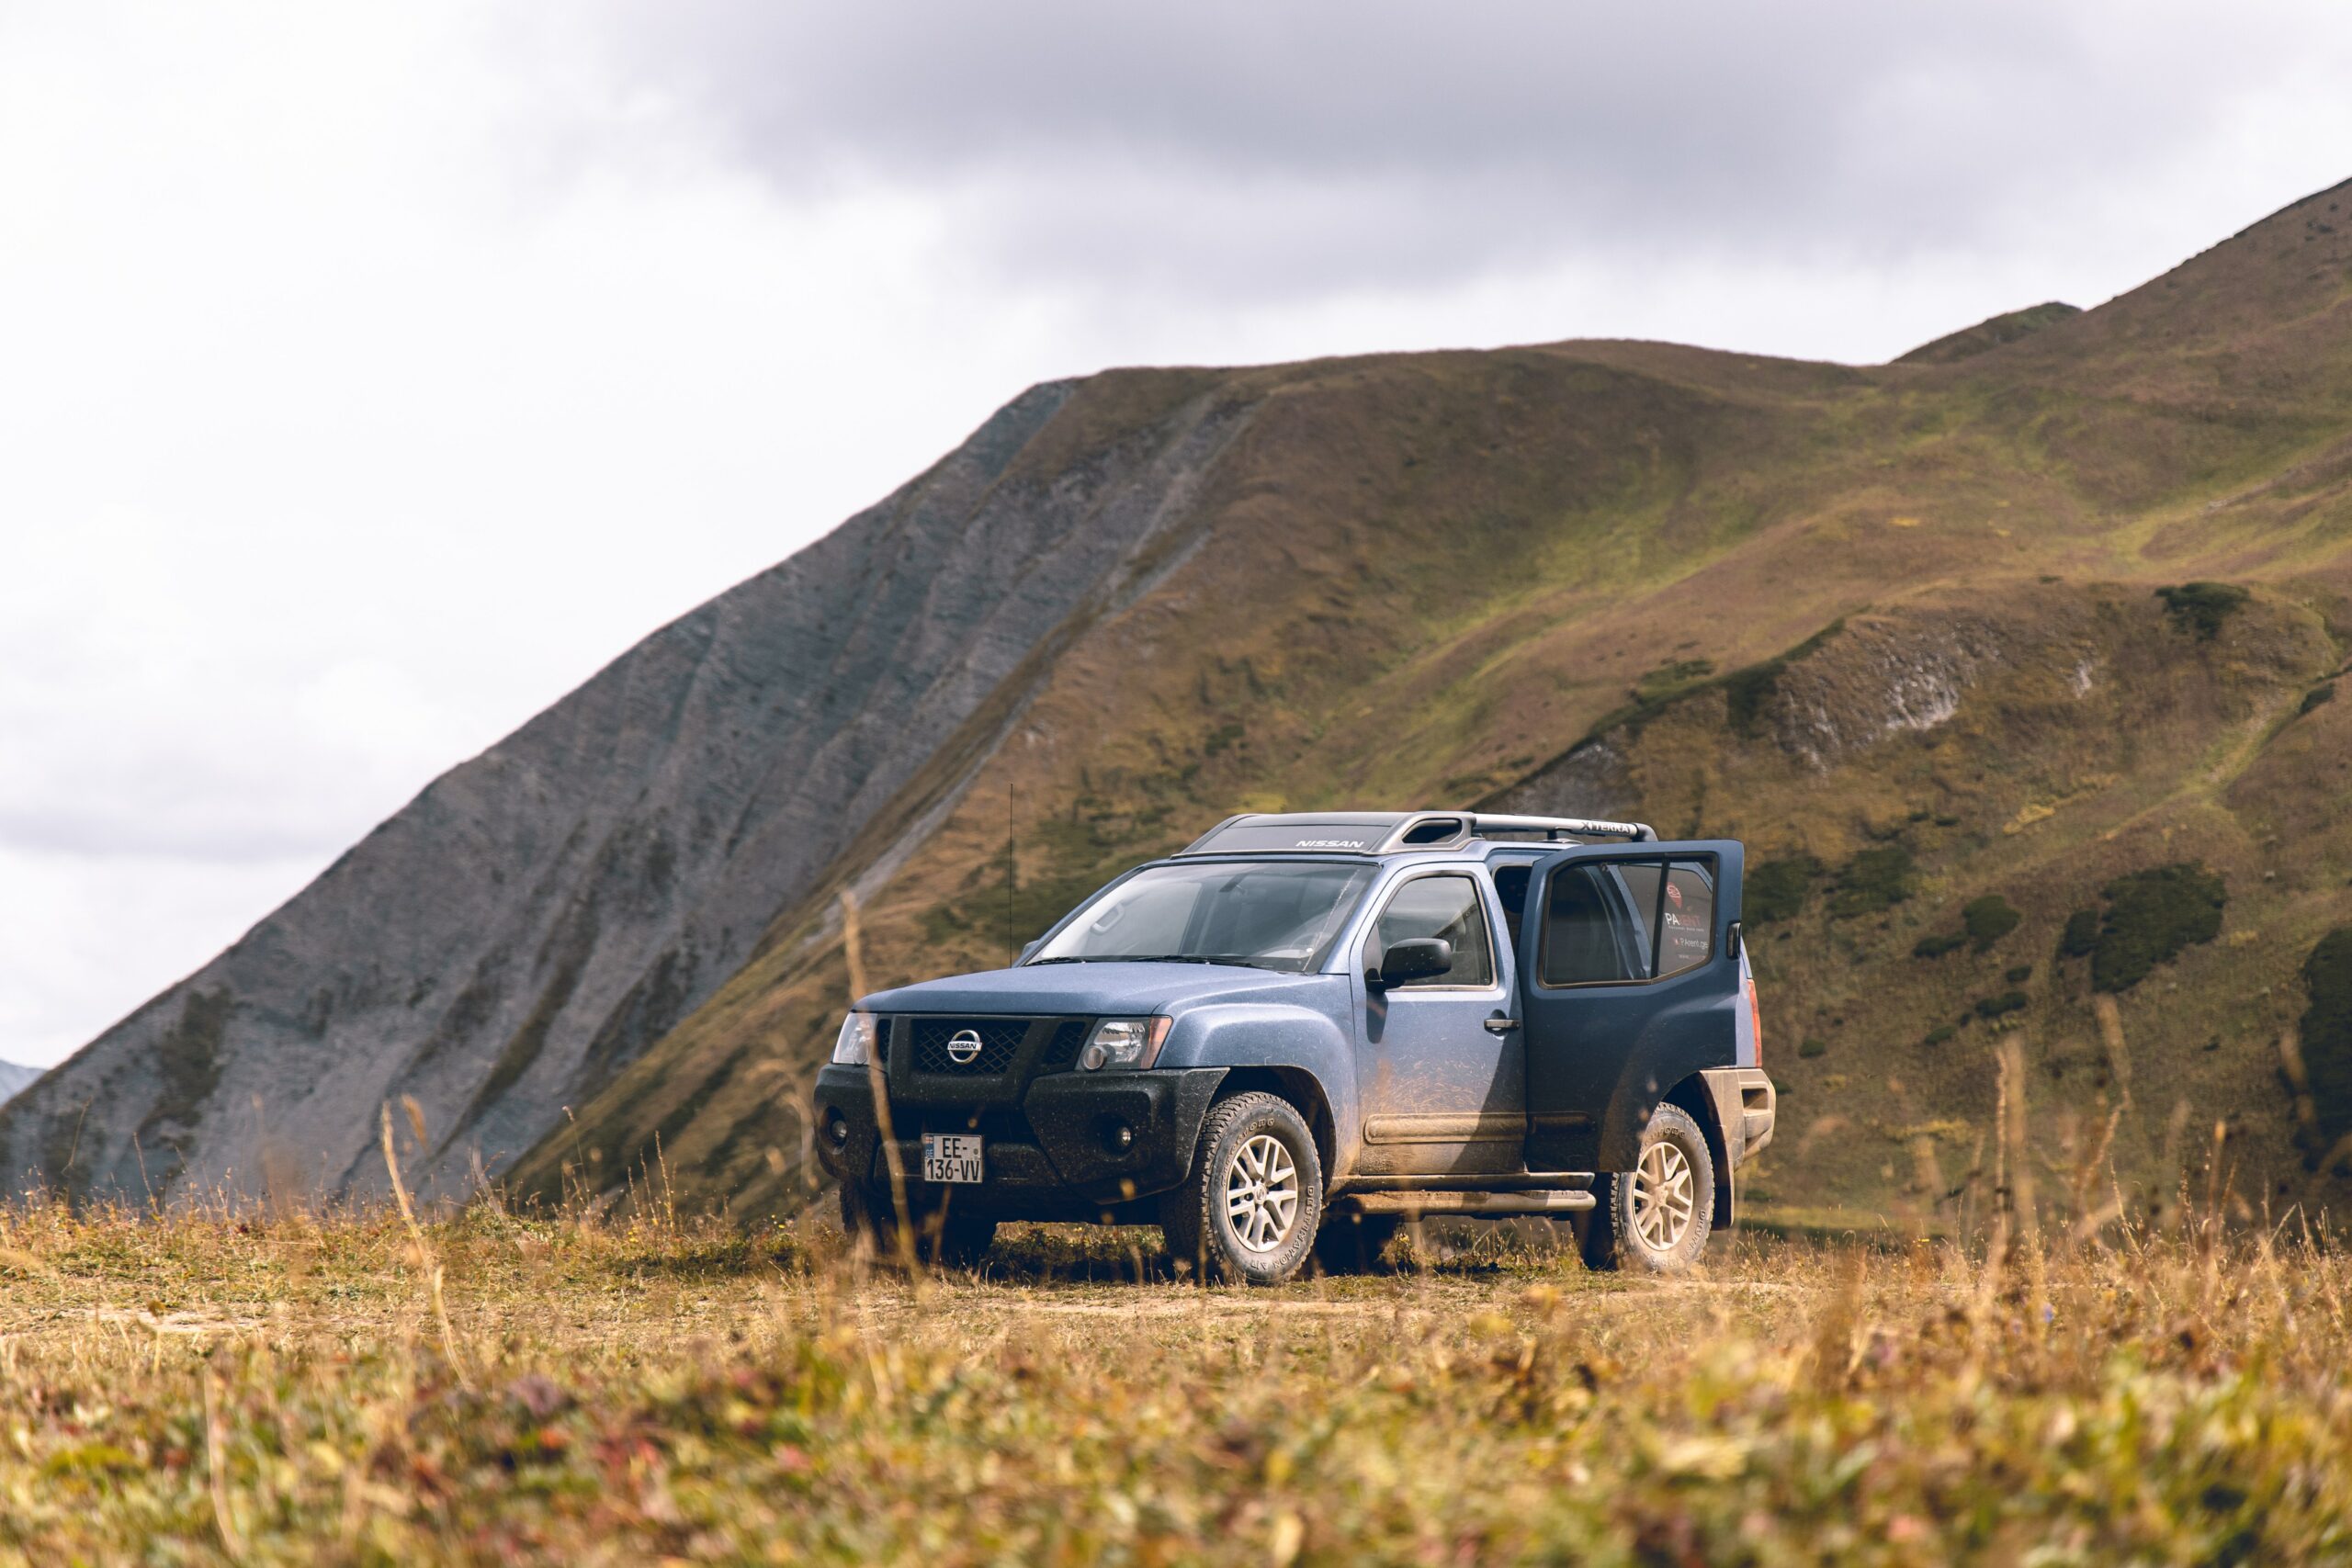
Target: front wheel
[
  {"x": 1255, "y": 1198},
  {"x": 1654, "y": 1218}
]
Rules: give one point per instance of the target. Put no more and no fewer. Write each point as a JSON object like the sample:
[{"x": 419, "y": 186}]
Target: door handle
[{"x": 1500, "y": 1023}]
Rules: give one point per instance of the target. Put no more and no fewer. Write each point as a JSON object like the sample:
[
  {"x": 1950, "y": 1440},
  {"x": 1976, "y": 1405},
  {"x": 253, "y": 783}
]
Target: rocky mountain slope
[
  {"x": 14, "y": 1079},
  {"x": 1898, "y": 627},
  {"x": 535, "y": 919}
]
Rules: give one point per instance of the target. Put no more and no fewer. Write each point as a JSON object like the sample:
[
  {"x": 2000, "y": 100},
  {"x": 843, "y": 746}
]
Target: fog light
[
  {"x": 1119, "y": 1137},
  {"x": 836, "y": 1127}
]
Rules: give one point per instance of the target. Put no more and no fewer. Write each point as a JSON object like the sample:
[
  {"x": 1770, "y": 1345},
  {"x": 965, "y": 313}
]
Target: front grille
[{"x": 1000, "y": 1039}]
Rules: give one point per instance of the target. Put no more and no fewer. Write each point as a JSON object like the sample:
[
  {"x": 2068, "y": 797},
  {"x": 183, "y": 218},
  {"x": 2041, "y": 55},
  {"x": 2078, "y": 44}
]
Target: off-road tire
[
  {"x": 953, "y": 1241},
  {"x": 1626, "y": 1222},
  {"x": 1354, "y": 1244},
  {"x": 1197, "y": 1218}
]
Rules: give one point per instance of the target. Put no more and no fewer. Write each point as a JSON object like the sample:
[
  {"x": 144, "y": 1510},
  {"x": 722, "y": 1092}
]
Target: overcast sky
[{"x": 372, "y": 374}]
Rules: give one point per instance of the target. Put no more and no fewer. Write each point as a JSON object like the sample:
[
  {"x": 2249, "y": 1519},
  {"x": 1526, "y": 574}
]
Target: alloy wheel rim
[
  {"x": 1664, "y": 1197},
  {"x": 1262, "y": 1193}
]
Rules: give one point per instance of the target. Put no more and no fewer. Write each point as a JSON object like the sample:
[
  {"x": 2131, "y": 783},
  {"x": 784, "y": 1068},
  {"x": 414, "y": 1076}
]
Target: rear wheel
[
  {"x": 1654, "y": 1218},
  {"x": 1250, "y": 1210},
  {"x": 1353, "y": 1244}
]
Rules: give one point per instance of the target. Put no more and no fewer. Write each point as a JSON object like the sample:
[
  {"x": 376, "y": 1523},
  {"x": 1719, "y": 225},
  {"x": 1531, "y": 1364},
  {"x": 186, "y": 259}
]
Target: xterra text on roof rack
[{"x": 1305, "y": 1028}]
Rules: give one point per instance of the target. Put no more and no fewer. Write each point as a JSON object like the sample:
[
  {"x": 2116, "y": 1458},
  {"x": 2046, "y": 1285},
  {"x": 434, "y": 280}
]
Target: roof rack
[
  {"x": 1386, "y": 832},
  {"x": 1486, "y": 825}
]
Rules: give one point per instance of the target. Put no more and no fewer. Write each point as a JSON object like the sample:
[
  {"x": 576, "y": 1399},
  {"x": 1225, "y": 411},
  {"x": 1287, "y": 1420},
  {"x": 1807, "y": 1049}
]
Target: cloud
[{"x": 1250, "y": 154}]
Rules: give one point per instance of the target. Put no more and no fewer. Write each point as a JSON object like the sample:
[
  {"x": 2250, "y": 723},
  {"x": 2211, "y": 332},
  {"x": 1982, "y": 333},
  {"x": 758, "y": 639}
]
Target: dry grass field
[{"x": 255, "y": 1388}]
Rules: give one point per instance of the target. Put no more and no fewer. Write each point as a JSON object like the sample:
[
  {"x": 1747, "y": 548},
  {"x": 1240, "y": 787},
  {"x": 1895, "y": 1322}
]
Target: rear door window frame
[{"x": 1648, "y": 939}]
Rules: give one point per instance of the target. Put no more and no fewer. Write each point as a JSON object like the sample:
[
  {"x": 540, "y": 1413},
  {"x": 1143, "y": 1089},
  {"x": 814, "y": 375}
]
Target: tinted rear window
[{"x": 1611, "y": 922}]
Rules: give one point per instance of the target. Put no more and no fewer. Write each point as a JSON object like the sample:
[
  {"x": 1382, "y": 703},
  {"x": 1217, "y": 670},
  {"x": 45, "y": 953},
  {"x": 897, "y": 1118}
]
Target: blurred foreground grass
[{"x": 222, "y": 1386}]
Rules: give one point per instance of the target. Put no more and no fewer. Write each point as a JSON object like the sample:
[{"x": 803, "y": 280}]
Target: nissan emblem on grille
[{"x": 964, "y": 1045}]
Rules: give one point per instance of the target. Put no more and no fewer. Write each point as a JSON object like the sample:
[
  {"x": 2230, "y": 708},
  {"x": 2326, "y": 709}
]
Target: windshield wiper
[{"x": 1233, "y": 960}]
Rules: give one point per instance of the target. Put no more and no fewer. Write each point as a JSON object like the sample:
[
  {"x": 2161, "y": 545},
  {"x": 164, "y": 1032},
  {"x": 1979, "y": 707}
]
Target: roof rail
[
  {"x": 1387, "y": 832},
  {"x": 1444, "y": 830},
  {"x": 1487, "y": 825}
]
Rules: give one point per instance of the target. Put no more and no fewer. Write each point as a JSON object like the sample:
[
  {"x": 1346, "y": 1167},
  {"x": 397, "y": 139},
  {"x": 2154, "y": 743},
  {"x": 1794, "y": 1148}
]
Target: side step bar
[
  {"x": 1458, "y": 1202},
  {"x": 1503, "y": 1181}
]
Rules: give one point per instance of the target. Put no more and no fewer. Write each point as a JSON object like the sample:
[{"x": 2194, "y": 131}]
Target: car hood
[{"x": 1100, "y": 989}]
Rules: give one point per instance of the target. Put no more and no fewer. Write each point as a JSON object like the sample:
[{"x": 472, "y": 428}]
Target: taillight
[{"x": 1754, "y": 1020}]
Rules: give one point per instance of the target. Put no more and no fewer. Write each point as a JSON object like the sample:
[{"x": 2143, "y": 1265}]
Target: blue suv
[{"x": 1305, "y": 1029}]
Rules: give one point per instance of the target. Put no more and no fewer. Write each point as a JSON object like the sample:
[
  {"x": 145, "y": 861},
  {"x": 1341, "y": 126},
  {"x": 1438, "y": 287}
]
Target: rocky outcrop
[
  {"x": 527, "y": 926},
  {"x": 1880, "y": 678}
]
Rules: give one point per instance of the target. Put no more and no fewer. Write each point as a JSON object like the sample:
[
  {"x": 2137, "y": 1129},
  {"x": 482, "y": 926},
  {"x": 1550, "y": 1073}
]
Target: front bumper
[{"x": 1054, "y": 1153}]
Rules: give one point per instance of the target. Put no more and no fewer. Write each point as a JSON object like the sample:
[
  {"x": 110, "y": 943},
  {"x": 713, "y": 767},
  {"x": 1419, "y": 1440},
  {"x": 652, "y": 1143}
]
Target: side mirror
[
  {"x": 1029, "y": 950},
  {"x": 1415, "y": 958}
]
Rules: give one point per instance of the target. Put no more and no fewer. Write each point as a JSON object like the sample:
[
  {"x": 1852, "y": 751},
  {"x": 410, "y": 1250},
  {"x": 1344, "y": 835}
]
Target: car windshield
[{"x": 1267, "y": 914}]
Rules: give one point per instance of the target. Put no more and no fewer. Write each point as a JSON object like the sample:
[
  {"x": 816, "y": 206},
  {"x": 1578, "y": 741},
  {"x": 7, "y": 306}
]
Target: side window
[
  {"x": 1608, "y": 922},
  {"x": 1588, "y": 930},
  {"x": 1444, "y": 906}
]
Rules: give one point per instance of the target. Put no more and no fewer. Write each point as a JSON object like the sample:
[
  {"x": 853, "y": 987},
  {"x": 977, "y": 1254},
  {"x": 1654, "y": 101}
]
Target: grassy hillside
[
  {"x": 1899, "y": 627},
  {"x": 226, "y": 1386}
]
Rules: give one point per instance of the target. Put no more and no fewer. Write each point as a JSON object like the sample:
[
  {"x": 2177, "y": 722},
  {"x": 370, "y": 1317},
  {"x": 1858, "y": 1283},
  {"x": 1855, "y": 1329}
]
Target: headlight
[
  {"x": 853, "y": 1046},
  {"x": 1124, "y": 1043}
]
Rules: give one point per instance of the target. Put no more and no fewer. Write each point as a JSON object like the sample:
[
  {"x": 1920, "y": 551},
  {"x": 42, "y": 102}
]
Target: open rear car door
[{"x": 1630, "y": 981}]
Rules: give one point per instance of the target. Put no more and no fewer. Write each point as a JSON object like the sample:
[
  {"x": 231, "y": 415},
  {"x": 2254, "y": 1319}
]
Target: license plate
[{"x": 951, "y": 1156}]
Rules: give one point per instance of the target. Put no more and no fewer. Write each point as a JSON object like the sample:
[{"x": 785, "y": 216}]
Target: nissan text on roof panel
[{"x": 1305, "y": 1028}]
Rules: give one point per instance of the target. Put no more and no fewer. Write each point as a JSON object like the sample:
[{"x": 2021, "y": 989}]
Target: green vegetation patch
[
  {"x": 2202, "y": 607},
  {"x": 1672, "y": 680},
  {"x": 2151, "y": 916},
  {"x": 1811, "y": 1047},
  {"x": 1936, "y": 946},
  {"x": 1873, "y": 881},
  {"x": 2327, "y": 1029},
  {"x": 1745, "y": 693},
  {"x": 2317, "y": 696},
  {"x": 1938, "y": 1034},
  {"x": 188, "y": 1060},
  {"x": 2007, "y": 1002},
  {"x": 2017, "y": 974},
  {"x": 2080, "y": 936},
  {"x": 1988, "y": 920},
  {"x": 1777, "y": 889}
]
